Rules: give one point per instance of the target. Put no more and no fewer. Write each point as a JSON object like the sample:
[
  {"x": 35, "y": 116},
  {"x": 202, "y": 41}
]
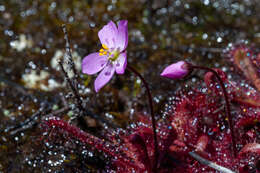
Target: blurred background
[{"x": 160, "y": 32}]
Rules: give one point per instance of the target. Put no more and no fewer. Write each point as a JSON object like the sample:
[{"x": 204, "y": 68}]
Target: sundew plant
[
  {"x": 140, "y": 86},
  {"x": 209, "y": 128}
]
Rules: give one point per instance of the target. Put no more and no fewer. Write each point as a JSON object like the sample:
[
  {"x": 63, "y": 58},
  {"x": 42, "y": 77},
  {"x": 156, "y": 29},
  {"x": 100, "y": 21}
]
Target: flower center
[{"x": 112, "y": 54}]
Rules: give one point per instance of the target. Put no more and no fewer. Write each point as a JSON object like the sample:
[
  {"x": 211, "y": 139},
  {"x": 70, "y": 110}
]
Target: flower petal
[
  {"x": 93, "y": 63},
  {"x": 108, "y": 35},
  {"x": 176, "y": 71},
  {"x": 122, "y": 38},
  {"x": 121, "y": 63},
  {"x": 104, "y": 77}
]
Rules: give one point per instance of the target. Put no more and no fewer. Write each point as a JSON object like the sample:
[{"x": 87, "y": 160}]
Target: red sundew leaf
[
  {"x": 251, "y": 134},
  {"x": 214, "y": 85},
  {"x": 86, "y": 138},
  {"x": 196, "y": 122},
  {"x": 202, "y": 143},
  {"x": 257, "y": 62},
  {"x": 210, "y": 78},
  {"x": 183, "y": 117},
  {"x": 237, "y": 93},
  {"x": 246, "y": 101},
  {"x": 252, "y": 147},
  {"x": 138, "y": 142},
  {"x": 245, "y": 96},
  {"x": 246, "y": 121},
  {"x": 168, "y": 139},
  {"x": 243, "y": 99},
  {"x": 179, "y": 143}
]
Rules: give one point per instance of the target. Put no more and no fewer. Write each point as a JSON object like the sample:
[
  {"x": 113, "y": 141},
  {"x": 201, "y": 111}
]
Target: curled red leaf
[
  {"x": 202, "y": 143},
  {"x": 251, "y": 147}
]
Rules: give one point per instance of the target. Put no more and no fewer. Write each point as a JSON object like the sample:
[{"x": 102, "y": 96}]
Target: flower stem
[
  {"x": 227, "y": 104},
  {"x": 152, "y": 115}
]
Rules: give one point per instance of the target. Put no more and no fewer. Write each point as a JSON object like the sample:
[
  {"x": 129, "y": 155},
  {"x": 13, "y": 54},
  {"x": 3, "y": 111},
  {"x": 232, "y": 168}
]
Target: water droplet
[
  {"x": 43, "y": 51},
  {"x": 219, "y": 39},
  {"x": 2, "y": 8},
  {"x": 204, "y": 36},
  {"x": 92, "y": 24},
  {"x": 206, "y": 2},
  {"x": 90, "y": 154}
]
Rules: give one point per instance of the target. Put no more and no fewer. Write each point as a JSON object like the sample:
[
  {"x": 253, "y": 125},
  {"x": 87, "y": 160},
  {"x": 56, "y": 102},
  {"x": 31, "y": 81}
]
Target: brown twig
[
  {"x": 68, "y": 52},
  {"x": 57, "y": 112},
  {"x": 34, "y": 119},
  {"x": 79, "y": 104},
  {"x": 83, "y": 111},
  {"x": 29, "y": 122},
  {"x": 209, "y": 163},
  {"x": 16, "y": 86}
]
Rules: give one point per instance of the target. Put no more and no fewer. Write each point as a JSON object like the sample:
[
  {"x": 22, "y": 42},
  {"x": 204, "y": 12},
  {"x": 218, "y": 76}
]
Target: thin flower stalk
[
  {"x": 149, "y": 95},
  {"x": 230, "y": 123}
]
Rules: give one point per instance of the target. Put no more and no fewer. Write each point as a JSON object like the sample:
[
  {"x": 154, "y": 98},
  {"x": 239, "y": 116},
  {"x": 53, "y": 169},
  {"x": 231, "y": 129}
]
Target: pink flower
[
  {"x": 112, "y": 57},
  {"x": 176, "y": 70}
]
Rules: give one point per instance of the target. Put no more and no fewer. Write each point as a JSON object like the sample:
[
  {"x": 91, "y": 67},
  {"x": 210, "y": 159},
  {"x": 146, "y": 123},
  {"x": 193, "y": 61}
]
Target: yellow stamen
[
  {"x": 102, "y": 52},
  {"x": 104, "y": 46}
]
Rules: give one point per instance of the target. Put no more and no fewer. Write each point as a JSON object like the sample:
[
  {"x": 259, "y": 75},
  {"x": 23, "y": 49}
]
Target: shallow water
[{"x": 160, "y": 32}]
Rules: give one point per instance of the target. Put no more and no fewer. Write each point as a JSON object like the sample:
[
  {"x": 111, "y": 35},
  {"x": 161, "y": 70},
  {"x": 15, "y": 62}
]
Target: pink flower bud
[{"x": 177, "y": 70}]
